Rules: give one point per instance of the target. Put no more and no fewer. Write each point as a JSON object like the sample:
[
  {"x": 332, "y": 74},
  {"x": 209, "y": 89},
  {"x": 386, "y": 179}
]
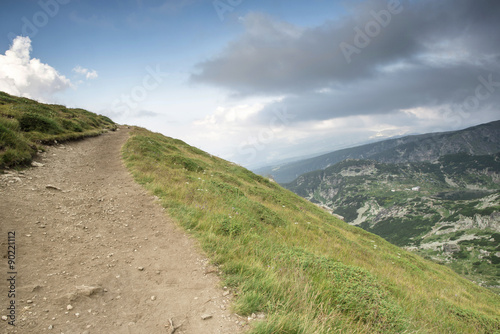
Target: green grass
[
  {"x": 25, "y": 124},
  {"x": 306, "y": 270}
]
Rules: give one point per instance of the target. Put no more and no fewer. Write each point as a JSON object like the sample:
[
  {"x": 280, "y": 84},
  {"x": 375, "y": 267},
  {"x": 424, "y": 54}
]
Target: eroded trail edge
[{"x": 94, "y": 252}]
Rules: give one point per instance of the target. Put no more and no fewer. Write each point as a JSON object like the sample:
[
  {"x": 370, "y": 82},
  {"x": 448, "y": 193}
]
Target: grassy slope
[
  {"x": 455, "y": 192},
  {"x": 308, "y": 271},
  {"x": 24, "y": 124}
]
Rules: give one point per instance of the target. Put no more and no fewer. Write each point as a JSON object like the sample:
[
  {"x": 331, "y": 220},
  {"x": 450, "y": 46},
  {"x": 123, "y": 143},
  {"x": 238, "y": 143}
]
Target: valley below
[{"x": 447, "y": 211}]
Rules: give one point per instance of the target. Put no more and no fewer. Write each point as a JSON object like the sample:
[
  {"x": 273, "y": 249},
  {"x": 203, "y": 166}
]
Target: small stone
[
  {"x": 51, "y": 327},
  {"x": 36, "y": 164},
  {"x": 29, "y": 301},
  {"x": 88, "y": 291},
  {"x": 153, "y": 298},
  {"x": 206, "y": 316},
  {"x": 140, "y": 268},
  {"x": 226, "y": 293},
  {"x": 4, "y": 318},
  {"x": 69, "y": 307}
]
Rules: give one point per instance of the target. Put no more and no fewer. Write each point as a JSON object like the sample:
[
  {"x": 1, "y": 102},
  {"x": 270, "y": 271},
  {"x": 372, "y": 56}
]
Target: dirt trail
[{"x": 96, "y": 254}]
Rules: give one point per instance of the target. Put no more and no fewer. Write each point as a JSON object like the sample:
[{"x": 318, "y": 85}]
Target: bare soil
[{"x": 94, "y": 252}]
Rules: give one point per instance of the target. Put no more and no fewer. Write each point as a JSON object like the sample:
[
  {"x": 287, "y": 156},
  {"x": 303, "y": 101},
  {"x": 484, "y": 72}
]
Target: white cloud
[
  {"x": 89, "y": 74},
  {"x": 24, "y": 76},
  {"x": 231, "y": 116}
]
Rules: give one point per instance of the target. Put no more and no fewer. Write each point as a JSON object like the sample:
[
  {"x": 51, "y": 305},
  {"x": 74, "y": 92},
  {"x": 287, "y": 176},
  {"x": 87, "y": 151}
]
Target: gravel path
[{"x": 94, "y": 253}]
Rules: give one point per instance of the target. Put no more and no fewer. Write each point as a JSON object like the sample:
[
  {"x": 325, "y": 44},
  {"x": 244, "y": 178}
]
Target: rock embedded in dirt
[{"x": 88, "y": 290}]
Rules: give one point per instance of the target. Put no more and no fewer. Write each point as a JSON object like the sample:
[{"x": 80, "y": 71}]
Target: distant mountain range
[
  {"x": 436, "y": 194},
  {"x": 482, "y": 139}
]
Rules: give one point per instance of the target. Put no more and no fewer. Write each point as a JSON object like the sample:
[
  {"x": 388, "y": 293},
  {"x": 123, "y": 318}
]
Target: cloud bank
[
  {"x": 432, "y": 56},
  {"x": 24, "y": 76}
]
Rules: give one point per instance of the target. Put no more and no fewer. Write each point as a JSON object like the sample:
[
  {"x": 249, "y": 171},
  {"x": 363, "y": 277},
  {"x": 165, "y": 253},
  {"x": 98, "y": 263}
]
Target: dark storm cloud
[
  {"x": 382, "y": 57},
  {"x": 420, "y": 87}
]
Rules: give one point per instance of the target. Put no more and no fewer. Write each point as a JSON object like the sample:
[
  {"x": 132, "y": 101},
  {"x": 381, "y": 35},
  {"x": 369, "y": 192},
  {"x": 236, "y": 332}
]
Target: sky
[{"x": 256, "y": 82}]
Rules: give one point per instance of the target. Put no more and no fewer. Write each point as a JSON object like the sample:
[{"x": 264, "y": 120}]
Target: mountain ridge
[{"x": 475, "y": 140}]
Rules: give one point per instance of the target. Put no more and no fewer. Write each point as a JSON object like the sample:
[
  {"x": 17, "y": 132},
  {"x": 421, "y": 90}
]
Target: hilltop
[
  {"x": 482, "y": 139},
  {"x": 25, "y": 125}
]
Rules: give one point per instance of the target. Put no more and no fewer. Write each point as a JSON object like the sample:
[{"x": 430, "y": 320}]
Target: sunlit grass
[
  {"x": 306, "y": 270},
  {"x": 25, "y": 124}
]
